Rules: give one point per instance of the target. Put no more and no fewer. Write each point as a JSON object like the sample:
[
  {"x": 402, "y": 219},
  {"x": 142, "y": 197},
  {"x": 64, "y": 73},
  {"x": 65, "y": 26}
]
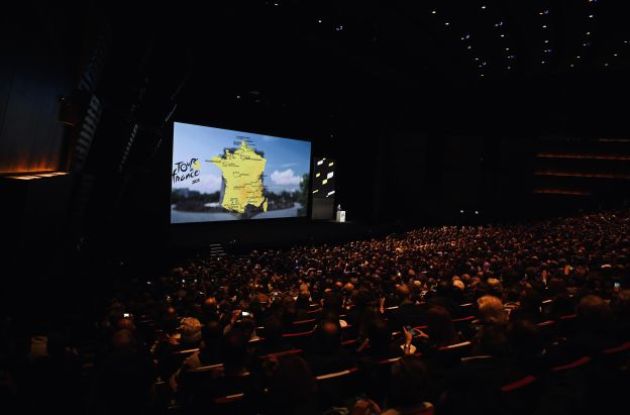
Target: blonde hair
[{"x": 491, "y": 309}]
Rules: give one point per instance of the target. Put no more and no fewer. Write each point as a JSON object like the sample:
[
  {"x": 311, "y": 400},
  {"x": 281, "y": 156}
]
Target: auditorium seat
[{"x": 335, "y": 388}]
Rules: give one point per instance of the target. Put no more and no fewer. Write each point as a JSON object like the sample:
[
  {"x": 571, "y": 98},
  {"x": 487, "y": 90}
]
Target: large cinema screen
[{"x": 225, "y": 175}]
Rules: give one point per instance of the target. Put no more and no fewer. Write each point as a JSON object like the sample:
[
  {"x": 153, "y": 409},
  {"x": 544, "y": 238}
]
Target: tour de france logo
[{"x": 187, "y": 170}]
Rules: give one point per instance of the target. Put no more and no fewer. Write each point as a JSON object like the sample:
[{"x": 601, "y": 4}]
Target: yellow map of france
[{"x": 242, "y": 171}]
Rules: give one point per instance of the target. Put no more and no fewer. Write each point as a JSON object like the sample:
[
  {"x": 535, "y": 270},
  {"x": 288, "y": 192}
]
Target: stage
[{"x": 243, "y": 236}]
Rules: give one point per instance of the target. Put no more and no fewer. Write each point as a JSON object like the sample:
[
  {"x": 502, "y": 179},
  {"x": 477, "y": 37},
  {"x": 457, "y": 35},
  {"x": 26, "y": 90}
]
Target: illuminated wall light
[
  {"x": 318, "y": 174},
  {"x": 332, "y": 192},
  {"x": 315, "y": 191},
  {"x": 332, "y": 163},
  {"x": 330, "y": 175},
  {"x": 320, "y": 162},
  {"x": 324, "y": 181}
]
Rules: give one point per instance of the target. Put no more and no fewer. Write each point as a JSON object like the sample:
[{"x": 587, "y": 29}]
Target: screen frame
[{"x": 171, "y": 144}]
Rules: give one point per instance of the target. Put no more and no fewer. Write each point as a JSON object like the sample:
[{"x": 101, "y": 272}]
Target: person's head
[
  {"x": 328, "y": 339},
  {"x": 379, "y": 335},
  {"x": 524, "y": 338},
  {"x": 210, "y": 308},
  {"x": 234, "y": 350},
  {"x": 124, "y": 340},
  {"x": 491, "y": 310},
  {"x": 492, "y": 340},
  {"x": 458, "y": 285},
  {"x": 403, "y": 292},
  {"x": 190, "y": 329},
  {"x": 440, "y": 326},
  {"x": 273, "y": 330},
  {"x": 594, "y": 312},
  {"x": 211, "y": 334},
  {"x": 494, "y": 286},
  {"x": 126, "y": 324},
  {"x": 409, "y": 382},
  {"x": 293, "y": 387}
]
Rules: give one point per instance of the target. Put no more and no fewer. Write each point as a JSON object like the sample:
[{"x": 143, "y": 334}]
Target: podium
[{"x": 341, "y": 216}]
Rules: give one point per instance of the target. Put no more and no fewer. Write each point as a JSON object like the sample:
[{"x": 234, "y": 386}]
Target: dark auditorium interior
[{"x": 331, "y": 207}]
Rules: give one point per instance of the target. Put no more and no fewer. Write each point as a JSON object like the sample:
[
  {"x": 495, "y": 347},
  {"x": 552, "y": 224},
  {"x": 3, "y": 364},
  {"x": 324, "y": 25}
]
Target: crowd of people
[{"x": 436, "y": 320}]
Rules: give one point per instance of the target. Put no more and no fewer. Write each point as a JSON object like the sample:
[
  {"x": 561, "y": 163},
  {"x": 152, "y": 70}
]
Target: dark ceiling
[{"x": 322, "y": 68}]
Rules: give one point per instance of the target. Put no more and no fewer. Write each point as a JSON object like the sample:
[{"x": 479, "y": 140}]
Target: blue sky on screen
[{"x": 287, "y": 159}]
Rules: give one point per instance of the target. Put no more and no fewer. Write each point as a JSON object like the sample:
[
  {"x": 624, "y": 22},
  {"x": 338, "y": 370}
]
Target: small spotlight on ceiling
[
  {"x": 476, "y": 212},
  {"x": 447, "y": 23},
  {"x": 546, "y": 40},
  {"x": 588, "y": 33},
  {"x": 339, "y": 28},
  {"x": 572, "y": 65},
  {"x": 508, "y": 67},
  {"x": 606, "y": 64},
  {"x": 319, "y": 20},
  {"x": 542, "y": 62},
  {"x": 615, "y": 54},
  {"x": 578, "y": 57},
  {"x": 433, "y": 11},
  {"x": 483, "y": 7},
  {"x": 502, "y": 35},
  {"x": 469, "y": 47},
  {"x": 461, "y": 211},
  {"x": 590, "y": 16},
  {"x": 507, "y": 49},
  {"x": 544, "y": 26}
]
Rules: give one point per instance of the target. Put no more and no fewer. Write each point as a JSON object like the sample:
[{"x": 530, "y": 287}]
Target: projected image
[{"x": 221, "y": 175}]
